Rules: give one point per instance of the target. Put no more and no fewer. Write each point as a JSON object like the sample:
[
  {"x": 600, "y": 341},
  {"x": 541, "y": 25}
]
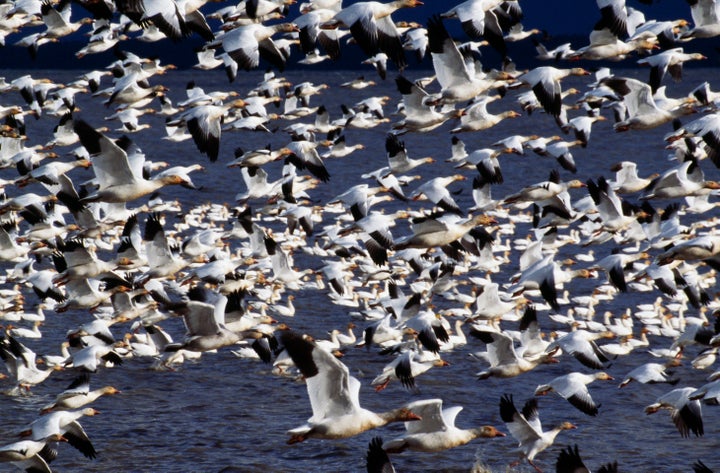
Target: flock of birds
[{"x": 101, "y": 242}]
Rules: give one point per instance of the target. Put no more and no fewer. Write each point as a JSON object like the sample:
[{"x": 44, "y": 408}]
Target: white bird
[
  {"x": 77, "y": 395},
  {"x": 120, "y": 180},
  {"x": 651, "y": 373},
  {"x": 436, "y": 431},
  {"x": 436, "y": 191},
  {"x": 407, "y": 366},
  {"x": 420, "y": 116},
  {"x": 20, "y": 363},
  {"x": 627, "y": 180},
  {"x": 504, "y": 360},
  {"x": 31, "y": 455},
  {"x": 525, "y": 426},
  {"x": 581, "y": 345},
  {"x": 63, "y": 423},
  {"x": 670, "y": 60},
  {"x": 246, "y": 44},
  {"x": 642, "y": 111},
  {"x": 206, "y": 330},
  {"x": 698, "y": 248},
  {"x": 573, "y": 387},
  {"x": 333, "y": 395},
  {"x": 372, "y": 27},
  {"x": 684, "y": 180},
  {"x": 545, "y": 83},
  {"x": 459, "y": 83},
  {"x": 706, "y": 19},
  {"x": 686, "y": 414},
  {"x": 398, "y": 158}
]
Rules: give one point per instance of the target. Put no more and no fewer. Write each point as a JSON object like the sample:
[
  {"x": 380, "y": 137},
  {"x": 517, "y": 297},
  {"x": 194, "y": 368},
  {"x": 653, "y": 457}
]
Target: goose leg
[
  {"x": 382, "y": 386},
  {"x": 535, "y": 466},
  {"x": 297, "y": 438}
]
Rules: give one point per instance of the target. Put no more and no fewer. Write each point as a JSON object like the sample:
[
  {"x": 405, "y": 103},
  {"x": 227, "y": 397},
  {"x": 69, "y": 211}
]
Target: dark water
[{"x": 224, "y": 412}]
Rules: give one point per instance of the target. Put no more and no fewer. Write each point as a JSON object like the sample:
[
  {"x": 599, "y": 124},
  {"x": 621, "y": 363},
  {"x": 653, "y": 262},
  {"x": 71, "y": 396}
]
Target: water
[{"x": 224, "y": 412}]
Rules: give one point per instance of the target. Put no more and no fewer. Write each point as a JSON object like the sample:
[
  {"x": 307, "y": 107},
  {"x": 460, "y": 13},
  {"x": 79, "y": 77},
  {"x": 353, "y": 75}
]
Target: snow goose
[
  {"x": 132, "y": 89},
  {"x": 684, "y": 180},
  {"x": 257, "y": 157},
  {"x": 310, "y": 33},
  {"x": 372, "y": 27},
  {"x": 560, "y": 150},
  {"x": 686, "y": 414},
  {"x": 120, "y": 180},
  {"x": 30, "y": 455},
  {"x": 609, "y": 206},
  {"x": 340, "y": 149},
  {"x": 93, "y": 356},
  {"x": 435, "y": 190},
  {"x": 48, "y": 173},
  {"x": 22, "y": 332},
  {"x": 514, "y": 144},
  {"x": 458, "y": 82},
  {"x": 605, "y": 45},
  {"x": 161, "y": 260},
  {"x": 436, "y": 431},
  {"x": 430, "y": 232},
  {"x": 246, "y": 44},
  {"x": 406, "y": 367},
  {"x": 698, "y": 248},
  {"x": 706, "y": 127},
  {"x": 77, "y": 395},
  {"x": 304, "y": 155},
  {"x": 531, "y": 337},
  {"x": 670, "y": 60},
  {"x": 416, "y": 40},
  {"x": 546, "y": 275},
  {"x": 581, "y": 345},
  {"x": 545, "y": 83},
  {"x": 573, "y": 387},
  {"x": 525, "y": 426},
  {"x": 543, "y": 190},
  {"x": 504, "y": 360},
  {"x": 705, "y": 96},
  {"x": 74, "y": 261},
  {"x": 333, "y": 395},
  {"x": 626, "y": 179},
  {"x": 709, "y": 392},
  {"x": 706, "y": 19},
  {"x": 419, "y": 115},
  {"x": 651, "y": 373},
  {"x": 20, "y": 363},
  {"x": 561, "y": 52},
  {"x": 490, "y": 306},
  {"x": 481, "y": 19},
  {"x": 83, "y": 294},
  {"x": 206, "y": 330},
  {"x": 379, "y": 62},
  {"x": 477, "y": 118},
  {"x": 57, "y": 21},
  {"x": 166, "y": 15},
  {"x": 615, "y": 266},
  {"x": 203, "y": 122},
  {"x": 64, "y": 423},
  {"x": 643, "y": 113},
  {"x": 398, "y": 158},
  {"x": 582, "y": 127}
]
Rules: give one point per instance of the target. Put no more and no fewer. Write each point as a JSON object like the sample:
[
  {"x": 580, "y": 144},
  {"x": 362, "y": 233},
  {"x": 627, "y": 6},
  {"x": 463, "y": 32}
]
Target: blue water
[{"x": 224, "y": 412}]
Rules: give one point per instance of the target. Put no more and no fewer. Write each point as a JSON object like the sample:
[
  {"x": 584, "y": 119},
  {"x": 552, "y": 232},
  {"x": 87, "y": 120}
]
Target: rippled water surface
[{"x": 222, "y": 411}]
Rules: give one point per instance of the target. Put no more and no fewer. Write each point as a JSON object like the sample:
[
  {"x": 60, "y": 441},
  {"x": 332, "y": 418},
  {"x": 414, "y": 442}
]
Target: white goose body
[{"x": 333, "y": 395}]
